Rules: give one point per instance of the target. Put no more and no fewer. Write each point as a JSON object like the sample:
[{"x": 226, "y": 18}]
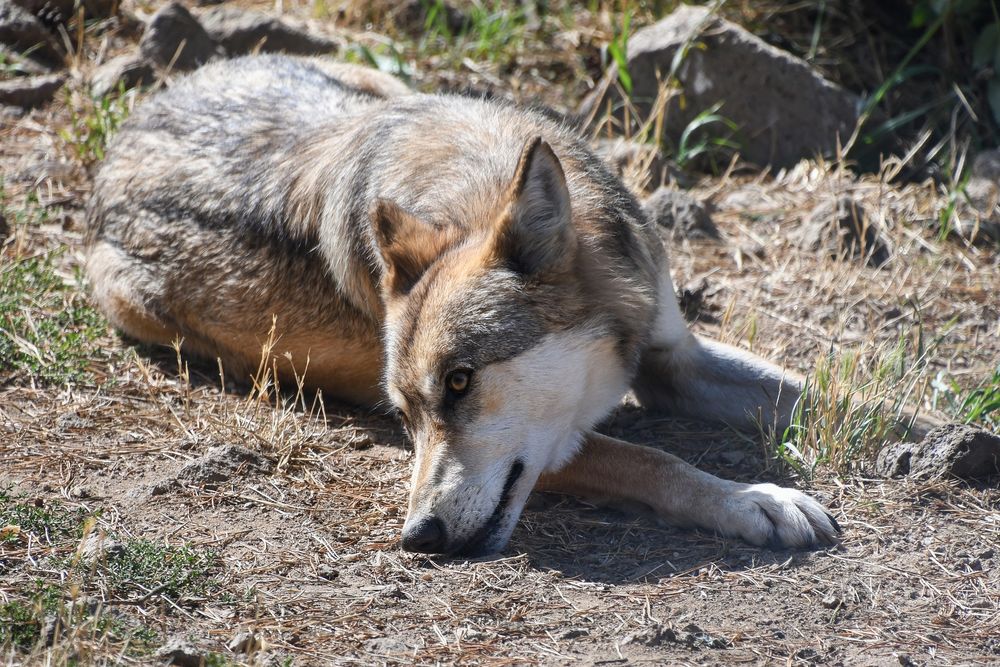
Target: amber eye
[{"x": 458, "y": 381}]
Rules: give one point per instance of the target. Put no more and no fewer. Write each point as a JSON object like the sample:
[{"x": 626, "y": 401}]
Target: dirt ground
[{"x": 298, "y": 503}]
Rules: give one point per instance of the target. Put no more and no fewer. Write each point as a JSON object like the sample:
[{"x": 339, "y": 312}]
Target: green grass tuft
[{"x": 48, "y": 330}]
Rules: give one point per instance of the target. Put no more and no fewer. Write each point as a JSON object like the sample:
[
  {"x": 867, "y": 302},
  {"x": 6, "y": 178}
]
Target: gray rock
[
  {"x": 245, "y": 642},
  {"x": 983, "y": 192},
  {"x": 240, "y": 31},
  {"x": 680, "y": 212},
  {"x": 386, "y": 646},
  {"x": 842, "y": 228},
  {"x": 30, "y": 91},
  {"x": 220, "y": 464},
  {"x": 24, "y": 33},
  {"x": 411, "y": 16},
  {"x": 785, "y": 110},
  {"x": 953, "y": 450},
  {"x": 179, "y": 651},
  {"x": 97, "y": 546},
  {"x": 175, "y": 39},
  {"x": 129, "y": 70}
]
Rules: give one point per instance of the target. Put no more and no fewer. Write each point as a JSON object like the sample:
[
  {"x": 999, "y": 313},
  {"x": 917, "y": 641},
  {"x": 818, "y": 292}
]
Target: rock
[
  {"x": 652, "y": 635},
  {"x": 219, "y": 464},
  {"x": 245, "y": 642},
  {"x": 240, "y": 31},
  {"x": 21, "y": 31},
  {"x": 411, "y": 16},
  {"x": 983, "y": 192},
  {"x": 784, "y": 109},
  {"x": 831, "y": 601},
  {"x": 129, "y": 70},
  {"x": 956, "y": 450},
  {"x": 178, "y": 651},
  {"x": 623, "y": 156},
  {"x": 98, "y": 546},
  {"x": 680, "y": 212},
  {"x": 843, "y": 228},
  {"x": 31, "y": 91},
  {"x": 386, "y": 646},
  {"x": 175, "y": 39}
]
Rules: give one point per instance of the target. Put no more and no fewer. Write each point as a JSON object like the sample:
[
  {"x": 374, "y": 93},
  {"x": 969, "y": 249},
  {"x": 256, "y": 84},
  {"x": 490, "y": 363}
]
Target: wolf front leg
[{"x": 763, "y": 514}]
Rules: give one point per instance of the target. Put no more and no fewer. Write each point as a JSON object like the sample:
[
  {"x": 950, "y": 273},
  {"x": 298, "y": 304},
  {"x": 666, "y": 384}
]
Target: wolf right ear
[
  {"x": 406, "y": 244},
  {"x": 535, "y": 233}
]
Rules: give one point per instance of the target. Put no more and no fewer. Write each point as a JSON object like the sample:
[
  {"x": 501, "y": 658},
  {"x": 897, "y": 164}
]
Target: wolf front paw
[{"x": 769, "y": 515}]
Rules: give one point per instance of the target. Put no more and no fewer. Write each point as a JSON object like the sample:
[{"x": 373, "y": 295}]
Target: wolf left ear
[
  {"x": 535, "y": 233},
  {"x": 406, "y": 244}
]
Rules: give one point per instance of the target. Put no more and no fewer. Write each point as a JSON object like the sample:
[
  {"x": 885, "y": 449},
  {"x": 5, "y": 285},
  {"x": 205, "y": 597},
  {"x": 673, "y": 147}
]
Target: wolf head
[{"x": 495, "y": 358}]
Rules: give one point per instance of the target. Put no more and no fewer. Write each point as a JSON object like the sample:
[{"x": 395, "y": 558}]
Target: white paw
[{"x": 769, "y": 515}]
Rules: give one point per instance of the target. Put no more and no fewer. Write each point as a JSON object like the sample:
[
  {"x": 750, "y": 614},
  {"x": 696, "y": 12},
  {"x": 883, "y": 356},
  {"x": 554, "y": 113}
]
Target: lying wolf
[{"x": 469, "y": 259}]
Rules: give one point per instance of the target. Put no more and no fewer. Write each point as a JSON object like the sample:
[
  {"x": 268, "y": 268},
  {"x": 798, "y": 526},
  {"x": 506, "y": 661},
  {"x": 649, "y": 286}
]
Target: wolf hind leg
[
  {"x": 691, "y": 376},
  {"x": 709, "y": 380}
]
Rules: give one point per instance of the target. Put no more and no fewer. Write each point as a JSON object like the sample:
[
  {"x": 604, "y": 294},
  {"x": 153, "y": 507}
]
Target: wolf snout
[{"x": 425, "y": 534}]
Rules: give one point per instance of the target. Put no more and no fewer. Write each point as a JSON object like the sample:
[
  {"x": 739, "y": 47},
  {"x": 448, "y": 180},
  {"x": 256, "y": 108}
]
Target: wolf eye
[{"x": 458, "y": 381}]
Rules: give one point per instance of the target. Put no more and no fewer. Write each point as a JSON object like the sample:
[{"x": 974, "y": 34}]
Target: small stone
[
  {"x": 127, "y": 71},
  {"x": 386, "y": 646},
  {"x": 680, "y": 212},
  {"x": 30, "y": 91},
  {"x": 221, "y": 463},
  {"x": 652, "y": 635},
  {"x": 842, "y": 228},
  {"x": 831, "y": 601},
  {"x": 175, "y": 39},
  {"x": 411, "y": 16},
  {"x": 573, "y": 633},
  {"x": 245, "y": 642},
  {"x": 240, "y": 31},
  {"x": 178, "y": 651}
]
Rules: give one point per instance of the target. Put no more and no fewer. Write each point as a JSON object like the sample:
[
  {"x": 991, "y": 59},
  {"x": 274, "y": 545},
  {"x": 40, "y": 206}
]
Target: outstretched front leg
[{"x": 763, "y": 514}]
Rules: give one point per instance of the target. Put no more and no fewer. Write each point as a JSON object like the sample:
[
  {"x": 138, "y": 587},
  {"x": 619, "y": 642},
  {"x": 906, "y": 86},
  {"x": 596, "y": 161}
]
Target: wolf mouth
[{"x": 479, "y": 544}]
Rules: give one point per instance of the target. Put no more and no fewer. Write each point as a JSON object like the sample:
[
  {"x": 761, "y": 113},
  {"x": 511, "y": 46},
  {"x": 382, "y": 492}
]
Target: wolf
[{"x": 467, "y": 261}]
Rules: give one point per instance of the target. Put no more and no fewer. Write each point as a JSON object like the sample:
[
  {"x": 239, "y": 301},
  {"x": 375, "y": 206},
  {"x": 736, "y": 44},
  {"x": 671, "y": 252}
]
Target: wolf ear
[
  {"x": 535, "y": 233},
  {"x": 406, "y": 244}
]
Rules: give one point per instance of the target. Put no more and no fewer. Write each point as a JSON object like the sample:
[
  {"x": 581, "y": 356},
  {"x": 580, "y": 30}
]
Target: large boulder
[
  {"x": 174, "y": 39},
  {"x": 240, "y": 31},
  {"x": 784, "y": 109}
]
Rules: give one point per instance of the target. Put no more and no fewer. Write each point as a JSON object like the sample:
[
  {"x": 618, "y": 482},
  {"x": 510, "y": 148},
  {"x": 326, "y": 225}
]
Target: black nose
[{"x": 424, "y": 535}]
